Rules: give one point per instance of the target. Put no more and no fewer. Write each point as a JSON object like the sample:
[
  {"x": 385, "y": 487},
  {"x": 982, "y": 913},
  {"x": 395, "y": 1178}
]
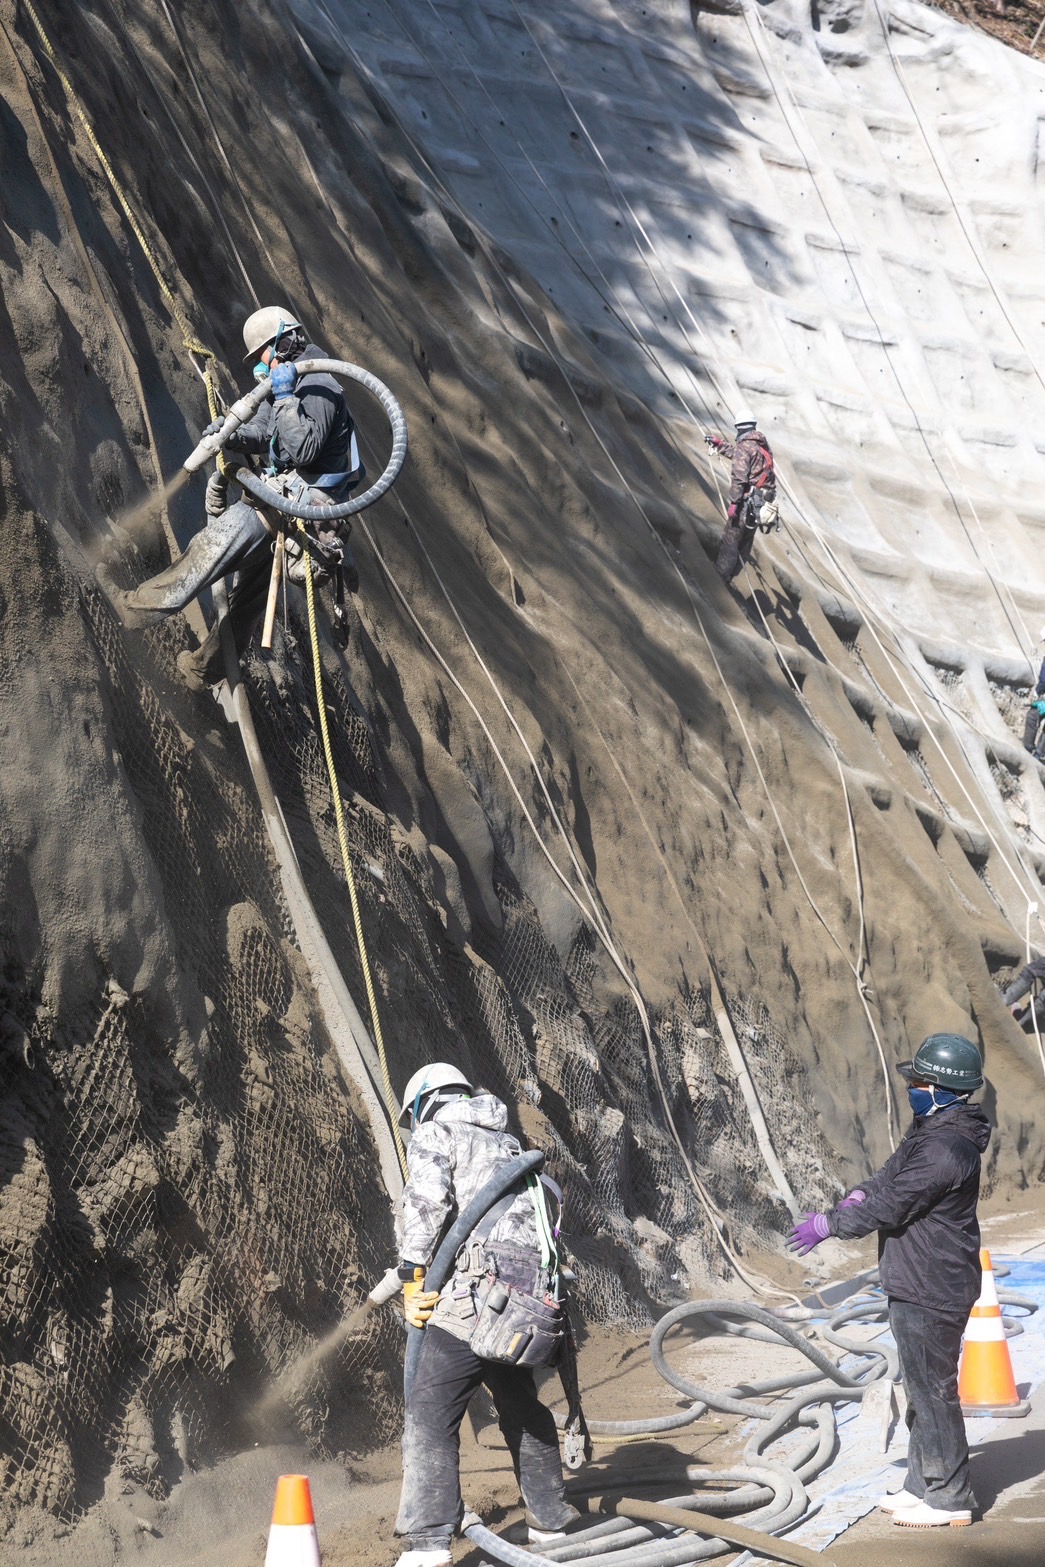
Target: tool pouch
[
  {"x": 515, "y": 1327},
  {"x": 768, "y": 516}
]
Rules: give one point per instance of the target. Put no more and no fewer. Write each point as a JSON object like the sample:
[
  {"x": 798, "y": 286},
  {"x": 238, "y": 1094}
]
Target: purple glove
[
  {"x": 854, "y": 1199},
  {"x": 812, "y": 1230},
  {"x": 282, "y": 381},
  {"x": 732, "y": 512}
]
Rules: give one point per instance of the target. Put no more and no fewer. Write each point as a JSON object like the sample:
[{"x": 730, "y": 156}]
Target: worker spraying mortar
[
  {"x": 752, "y": 493},
  {"x": 498, "y": 1316},
  {"x": 304, "y": 434},
  {"x": 922, "y": 1202}
]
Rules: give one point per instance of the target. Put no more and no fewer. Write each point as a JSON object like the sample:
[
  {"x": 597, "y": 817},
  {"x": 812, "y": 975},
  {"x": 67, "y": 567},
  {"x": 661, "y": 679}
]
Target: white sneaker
[
  {"x": 430, "y": 1558},
  {"x": 895, "y": 1501},
  {"x": 922, "y": 1516},
  {"x": 544, "y": 1536}
]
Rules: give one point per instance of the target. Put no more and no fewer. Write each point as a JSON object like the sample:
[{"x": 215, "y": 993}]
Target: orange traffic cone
[
  {"x": 292, "y": 1537},
  {"x": 986, "y": 1385}
]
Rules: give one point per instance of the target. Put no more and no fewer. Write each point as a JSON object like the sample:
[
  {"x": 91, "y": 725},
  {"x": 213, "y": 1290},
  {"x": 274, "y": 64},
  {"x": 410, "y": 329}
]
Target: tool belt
[
  {"x": 516, "y": 1327},
  {"x": 519, "y": 1319}
]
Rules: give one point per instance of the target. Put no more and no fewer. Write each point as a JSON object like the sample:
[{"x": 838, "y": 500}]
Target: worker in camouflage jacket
[
  {"x": 752, "y": 493},
  {"x": 459, "y": 1140}
]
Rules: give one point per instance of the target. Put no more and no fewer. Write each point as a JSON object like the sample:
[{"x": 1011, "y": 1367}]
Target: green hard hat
[{"x": 946, "y": 1060}]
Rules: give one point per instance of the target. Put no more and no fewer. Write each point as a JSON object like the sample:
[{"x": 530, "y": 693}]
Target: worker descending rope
[
  {"x": 499, "y": 1315},
  {"x": 752, "y": 493},
  {"x": 304, "y": 431}
]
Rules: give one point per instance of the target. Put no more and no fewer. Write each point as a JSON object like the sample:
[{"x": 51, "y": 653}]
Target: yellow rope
[
  {"x": 346, "y": 859},
  {"x": 200, "y": 349},
  {"x": 191, "y": 341}
]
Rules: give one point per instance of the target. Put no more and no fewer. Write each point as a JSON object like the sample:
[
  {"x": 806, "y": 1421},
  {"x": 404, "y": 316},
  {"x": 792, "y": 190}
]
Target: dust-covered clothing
[
  {"x": 928, "y": 1344},
  {"x": 447, "y": 1375},
  {"x": 310, "y": 439},
  {"x": 310, "y": 431},
  {"x": 752, "y": 486},
  {"x": 1030, "y": 974},
  {"x": 450, "y": 1159},
  {"x": 752, "y": 468}
]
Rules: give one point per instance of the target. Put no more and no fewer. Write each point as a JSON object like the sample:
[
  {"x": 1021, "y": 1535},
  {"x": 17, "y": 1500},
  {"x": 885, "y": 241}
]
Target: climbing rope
[{"x": 346, "y": 860}]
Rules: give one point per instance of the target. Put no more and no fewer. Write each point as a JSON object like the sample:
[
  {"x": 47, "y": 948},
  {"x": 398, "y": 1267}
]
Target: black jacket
[
  {"x": 310, "y": 431},
  {"x": 922, "y": 1202}
]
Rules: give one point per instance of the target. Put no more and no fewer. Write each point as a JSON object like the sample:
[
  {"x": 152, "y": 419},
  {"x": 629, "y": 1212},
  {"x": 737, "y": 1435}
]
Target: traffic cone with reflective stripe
[
  {"x": 986, "y": 1385},
  {"x": 292, "y": 1537}
]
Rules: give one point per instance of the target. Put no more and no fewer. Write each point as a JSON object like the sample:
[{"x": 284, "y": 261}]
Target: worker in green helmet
[{"x": 922, "y": 1202}]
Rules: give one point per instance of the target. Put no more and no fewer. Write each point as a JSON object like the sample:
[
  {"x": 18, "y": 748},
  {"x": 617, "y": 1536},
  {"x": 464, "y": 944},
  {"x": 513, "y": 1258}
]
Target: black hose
[
  {"x": 499, "y": 1184},
  {"x": 255, "y": 486}
]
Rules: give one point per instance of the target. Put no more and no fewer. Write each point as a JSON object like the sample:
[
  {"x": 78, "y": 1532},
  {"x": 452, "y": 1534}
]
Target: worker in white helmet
[
  {"x": 752, "y": 492},
  {"x": 305, "y": 435},
  {"x": 459, "y": 1140}
]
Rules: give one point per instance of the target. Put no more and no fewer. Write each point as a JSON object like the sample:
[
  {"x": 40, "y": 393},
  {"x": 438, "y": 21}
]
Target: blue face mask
[
  {"x": 261, "y": 371},
  {"x": 926, "y": 1101}
]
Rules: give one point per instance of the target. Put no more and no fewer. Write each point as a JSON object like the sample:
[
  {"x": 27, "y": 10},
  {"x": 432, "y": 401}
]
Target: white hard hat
[
  {"x": 439, "y": 1074},
  {"x": 744, "y": 416},
  {"x": 265, "y": 325}
]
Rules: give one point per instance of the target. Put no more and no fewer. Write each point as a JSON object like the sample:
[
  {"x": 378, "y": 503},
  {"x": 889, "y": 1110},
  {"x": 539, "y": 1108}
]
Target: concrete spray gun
[{"x": 269, "y": 498}]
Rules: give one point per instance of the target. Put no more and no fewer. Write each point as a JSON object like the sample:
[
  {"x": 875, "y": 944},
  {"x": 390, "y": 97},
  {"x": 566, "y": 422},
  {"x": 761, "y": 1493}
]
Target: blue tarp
[{"x": 848, "y": 1489}]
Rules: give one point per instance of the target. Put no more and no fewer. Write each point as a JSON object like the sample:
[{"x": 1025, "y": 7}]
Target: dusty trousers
[
  {"x": 929, "y": 1344},
  {"x": 737, "y": 543},
  {"x": 447, "y": 1375},
  {"x": 238, "y": 545}
]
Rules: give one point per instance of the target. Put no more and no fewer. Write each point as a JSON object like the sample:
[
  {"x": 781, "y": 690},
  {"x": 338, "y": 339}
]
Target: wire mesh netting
[{"x": 186, "y": 1211}]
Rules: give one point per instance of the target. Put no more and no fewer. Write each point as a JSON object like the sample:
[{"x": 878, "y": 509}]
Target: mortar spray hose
[
  {"x": 247, "y": 406},
  {"x": 499, "y": 1184}
]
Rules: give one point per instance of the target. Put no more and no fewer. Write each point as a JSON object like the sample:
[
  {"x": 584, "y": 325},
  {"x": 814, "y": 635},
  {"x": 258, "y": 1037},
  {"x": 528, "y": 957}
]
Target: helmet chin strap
[{"x": 435, "y": 1101}]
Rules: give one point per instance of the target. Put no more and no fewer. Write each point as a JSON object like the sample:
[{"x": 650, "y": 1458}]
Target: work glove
[
  {"x": 212, "y": 428},
  {"x": 714, "y": 441},
  {"x": 732, "y": 513},
  {"x": 809, "y": 1233},
  {"x": 418, "y": 1303},
  {"x": 216, "y": 500},
  {"x": 854, "y": 1199},
  {"x": 281, "y": 380}
]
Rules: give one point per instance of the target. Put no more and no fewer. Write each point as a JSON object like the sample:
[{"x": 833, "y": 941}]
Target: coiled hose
[
  {"x": 772, "y": 1493},
  {"x": 255, "y": 486}
]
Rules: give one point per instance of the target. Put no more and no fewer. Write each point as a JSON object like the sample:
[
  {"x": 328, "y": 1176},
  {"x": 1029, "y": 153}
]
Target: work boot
[
  {"x": 922, "y": 1516},
  {"x": 128, "y": 614},
  {"x": 189, "y": 670},
  {"x": 538, "y": 1536},
  {"x": 896, "y": 1501}
]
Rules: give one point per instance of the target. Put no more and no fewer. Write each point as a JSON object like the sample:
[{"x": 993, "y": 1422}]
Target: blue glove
[
  {"x": 282, "y": 380},
  {"x": 1040, "y": 705},
  {"x": 812, "y": 1230}
]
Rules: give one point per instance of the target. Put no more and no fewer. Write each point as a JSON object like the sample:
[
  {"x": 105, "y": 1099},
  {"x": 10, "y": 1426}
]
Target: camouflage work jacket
[
  {"x": 450, "y": 1158},
  {"x": 752, "y": 467}
]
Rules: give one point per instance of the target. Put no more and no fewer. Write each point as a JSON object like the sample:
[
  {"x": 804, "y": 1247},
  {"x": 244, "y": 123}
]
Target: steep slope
[{"x": 584, "y": 773}]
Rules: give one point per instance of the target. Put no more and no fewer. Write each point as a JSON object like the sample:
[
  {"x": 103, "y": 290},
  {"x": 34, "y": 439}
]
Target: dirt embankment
[{"x": 189, "y": 1192}]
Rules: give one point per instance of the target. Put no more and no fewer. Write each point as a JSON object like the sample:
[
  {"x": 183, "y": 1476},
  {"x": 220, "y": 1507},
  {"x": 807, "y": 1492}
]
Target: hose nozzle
[{"x": 243, "y": 409}]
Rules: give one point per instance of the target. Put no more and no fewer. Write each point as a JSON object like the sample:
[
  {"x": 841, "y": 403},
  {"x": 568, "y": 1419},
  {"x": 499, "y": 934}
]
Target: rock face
[{"x": 677, "y": 875}]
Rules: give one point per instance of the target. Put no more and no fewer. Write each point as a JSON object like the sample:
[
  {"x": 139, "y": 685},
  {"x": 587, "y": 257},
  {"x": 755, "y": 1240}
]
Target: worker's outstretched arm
[{"x": 913, "y": 1184}]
